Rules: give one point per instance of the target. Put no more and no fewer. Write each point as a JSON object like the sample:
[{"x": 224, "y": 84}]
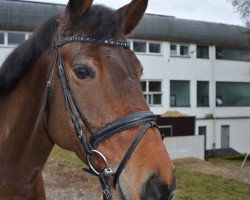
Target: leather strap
[
  {"x": 122, "y": 124},
  {"x": 131, "y": 150}
]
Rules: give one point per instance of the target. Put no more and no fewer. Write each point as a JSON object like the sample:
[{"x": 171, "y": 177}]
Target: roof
[
  {"x": 25, "y": 16},
  {"x": 165, "y": 28}
]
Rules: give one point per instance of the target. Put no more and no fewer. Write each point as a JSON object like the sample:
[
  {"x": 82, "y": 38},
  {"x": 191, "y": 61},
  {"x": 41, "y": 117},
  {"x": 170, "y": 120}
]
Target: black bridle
[{"x": 145, "y": 119}]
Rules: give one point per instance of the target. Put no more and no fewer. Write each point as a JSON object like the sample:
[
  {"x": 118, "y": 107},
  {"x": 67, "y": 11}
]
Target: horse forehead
[{"x": 105, "y": 55}]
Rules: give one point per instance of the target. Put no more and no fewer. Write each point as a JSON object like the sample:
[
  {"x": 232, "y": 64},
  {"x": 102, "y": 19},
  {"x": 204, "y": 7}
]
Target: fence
[{"x": 185, "y": 147}]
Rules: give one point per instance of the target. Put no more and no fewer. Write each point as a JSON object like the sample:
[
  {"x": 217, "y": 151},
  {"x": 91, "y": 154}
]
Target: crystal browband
[{"x": 82, "y": 39}]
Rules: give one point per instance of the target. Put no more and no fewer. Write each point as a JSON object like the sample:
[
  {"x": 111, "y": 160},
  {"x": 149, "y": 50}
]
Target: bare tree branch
[{"x": 243, "y": 8}]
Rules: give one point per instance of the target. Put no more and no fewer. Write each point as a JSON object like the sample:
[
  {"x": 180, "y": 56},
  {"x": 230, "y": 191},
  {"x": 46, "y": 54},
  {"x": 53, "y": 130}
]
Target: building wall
[
  {"x": 4, "y": 52},
  {"x": 165, "y": 68}
]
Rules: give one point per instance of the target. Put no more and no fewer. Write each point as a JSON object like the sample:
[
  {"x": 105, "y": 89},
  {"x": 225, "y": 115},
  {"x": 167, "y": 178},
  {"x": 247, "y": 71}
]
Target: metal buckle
[{"x": 89, "y": 157}]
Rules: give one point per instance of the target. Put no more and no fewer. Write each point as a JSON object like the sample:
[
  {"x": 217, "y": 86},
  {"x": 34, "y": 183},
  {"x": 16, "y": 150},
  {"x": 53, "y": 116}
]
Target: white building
[{"x": 197, "y": 68}]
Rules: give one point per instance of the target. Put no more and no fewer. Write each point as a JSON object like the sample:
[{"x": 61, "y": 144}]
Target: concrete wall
[{"x": 185, "y": 147}]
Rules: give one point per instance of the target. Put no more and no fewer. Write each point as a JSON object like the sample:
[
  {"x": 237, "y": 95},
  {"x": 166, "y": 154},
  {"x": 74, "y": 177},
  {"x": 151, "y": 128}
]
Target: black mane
[{"x": 99, "y": 22}]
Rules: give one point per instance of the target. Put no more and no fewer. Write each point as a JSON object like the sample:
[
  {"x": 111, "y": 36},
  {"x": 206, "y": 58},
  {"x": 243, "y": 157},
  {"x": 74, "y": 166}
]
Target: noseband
[{"x": 144, "y": 119}]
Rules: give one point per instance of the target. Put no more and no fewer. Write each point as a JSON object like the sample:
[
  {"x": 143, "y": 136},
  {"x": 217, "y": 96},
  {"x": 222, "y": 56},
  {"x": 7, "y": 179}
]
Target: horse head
[{"x": 97, "y": 108}]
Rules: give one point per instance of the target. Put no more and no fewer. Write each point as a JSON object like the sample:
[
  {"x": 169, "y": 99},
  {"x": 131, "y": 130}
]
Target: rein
[{"x": 145, "y": 119}]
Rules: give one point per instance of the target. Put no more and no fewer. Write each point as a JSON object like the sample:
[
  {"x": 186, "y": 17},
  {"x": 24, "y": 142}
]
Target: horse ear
[
  {"x": 76, "y": 8},
  {"x": 132, "y": 13},
  {"x": 73, "y": 11}
]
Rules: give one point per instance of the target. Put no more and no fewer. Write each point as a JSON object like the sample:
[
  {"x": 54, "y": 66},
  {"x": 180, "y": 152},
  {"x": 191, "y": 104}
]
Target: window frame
[
  {"x": 208, "y": 53},
  {"x": 219, "y": 54},
  {"x": 205, "y": 98},
  {"x": 178, "y": 50},
  {"x": 147, "y": 47},
  {"x": 6, "y": 44},
  {"x": 15, "y": 32},
  {"x": 176, "y": 96},
  {"x": 151, "y": 94},
  {"x": 135, "y": 41},
  {"x": 223, "y": 99}
]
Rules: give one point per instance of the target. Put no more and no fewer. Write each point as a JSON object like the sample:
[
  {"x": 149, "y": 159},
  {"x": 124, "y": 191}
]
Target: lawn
[{"x": 197, "y": 186}]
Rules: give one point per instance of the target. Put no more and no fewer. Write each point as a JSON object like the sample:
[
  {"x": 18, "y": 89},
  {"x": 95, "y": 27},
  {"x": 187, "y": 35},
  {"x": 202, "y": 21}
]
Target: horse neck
[{"x": 24, "y": 144}]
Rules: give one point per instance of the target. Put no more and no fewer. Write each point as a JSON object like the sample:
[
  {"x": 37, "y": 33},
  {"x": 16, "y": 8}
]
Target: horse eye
[{"x": 83, "y": 72}]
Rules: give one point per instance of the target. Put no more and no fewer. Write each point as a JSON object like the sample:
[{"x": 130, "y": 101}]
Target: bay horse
[{"x": 93, "y": 105}]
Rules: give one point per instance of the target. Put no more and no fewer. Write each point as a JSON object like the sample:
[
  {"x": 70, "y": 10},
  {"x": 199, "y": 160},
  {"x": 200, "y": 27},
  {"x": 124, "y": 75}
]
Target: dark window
[
  {"x": 140, "y": 47},
  {"x": 232, "y": 94},
  {"x": 184, "y": 50},
  {"x": 152, "y": 92},
  {"x": 232, "y": 54},
  {"x": 203, "y": 131},
  {"x": 154, "y": 86},
  {"x": 202, "y": 51},
  {"x": 144, "y": 86},
  {"x": 15, "y": 38},
  {"x": 154, "y": 48},
  {"x": 1, "y": 38},
  {"x": 180, "y": 90},
  {"x": 202, "y": 93}
]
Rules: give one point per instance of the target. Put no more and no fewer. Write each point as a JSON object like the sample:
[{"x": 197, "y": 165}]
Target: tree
[{"x": 243, "y": 8}]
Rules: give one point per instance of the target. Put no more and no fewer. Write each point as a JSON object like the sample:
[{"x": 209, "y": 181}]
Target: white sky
[{"x": 220, "y": 11}]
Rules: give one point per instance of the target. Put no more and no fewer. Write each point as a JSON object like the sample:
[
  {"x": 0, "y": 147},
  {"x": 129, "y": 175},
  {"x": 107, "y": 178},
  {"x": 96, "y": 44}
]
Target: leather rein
[{"x": 90, "y": 145}]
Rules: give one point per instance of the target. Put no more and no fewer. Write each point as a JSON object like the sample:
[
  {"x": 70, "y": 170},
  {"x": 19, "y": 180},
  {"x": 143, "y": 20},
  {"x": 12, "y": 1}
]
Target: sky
[{"x": 220, "y": 11}]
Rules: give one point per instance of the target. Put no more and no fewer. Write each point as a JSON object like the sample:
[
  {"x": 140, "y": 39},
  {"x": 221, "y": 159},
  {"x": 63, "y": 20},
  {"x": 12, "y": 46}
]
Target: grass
[
  {"x": 191, "y": 185},
  {"x": 236, "y": 159},
  {"x": 64, "y": 155},
  {"x": 198, "y": 186}
]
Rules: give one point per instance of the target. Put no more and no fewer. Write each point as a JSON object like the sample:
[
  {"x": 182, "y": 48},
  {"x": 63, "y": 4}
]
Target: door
[{"x": 225, "y": 136}]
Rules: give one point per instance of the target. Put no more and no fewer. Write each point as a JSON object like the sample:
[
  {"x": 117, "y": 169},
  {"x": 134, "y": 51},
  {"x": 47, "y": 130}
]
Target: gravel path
[{"x": 65, "y": 181}]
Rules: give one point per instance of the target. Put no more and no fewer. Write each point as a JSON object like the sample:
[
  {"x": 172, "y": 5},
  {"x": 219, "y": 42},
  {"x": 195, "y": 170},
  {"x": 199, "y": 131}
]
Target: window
[
  {"x": 203, "y": 131},
  {"x": 232, "y": 94},
  {"x": 202, "y": 51},
  {"x": 202, "y": 93},
  {"x": 146, "y": 47},
  {"x": 184, "y": 50},
  {"x": 152, "y": 92},
  {"x": 173, "y": 50},
  {"x": 232, "y": 54},
  {"x": 154, "y": 48},
  {"x": 179, "y": 93},
  {"x": 1, "y": 38},
  {"x": 179, "y": 50},
  {"x": 139, "y": 47},
  {"x": 15, "y": 38}
]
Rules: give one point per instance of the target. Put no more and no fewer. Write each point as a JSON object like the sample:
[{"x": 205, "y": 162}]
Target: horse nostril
[{"x": 155, "y": 189}]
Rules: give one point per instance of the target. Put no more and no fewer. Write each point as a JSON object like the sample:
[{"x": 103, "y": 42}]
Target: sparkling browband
[{"x": 109, "y": 42}]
